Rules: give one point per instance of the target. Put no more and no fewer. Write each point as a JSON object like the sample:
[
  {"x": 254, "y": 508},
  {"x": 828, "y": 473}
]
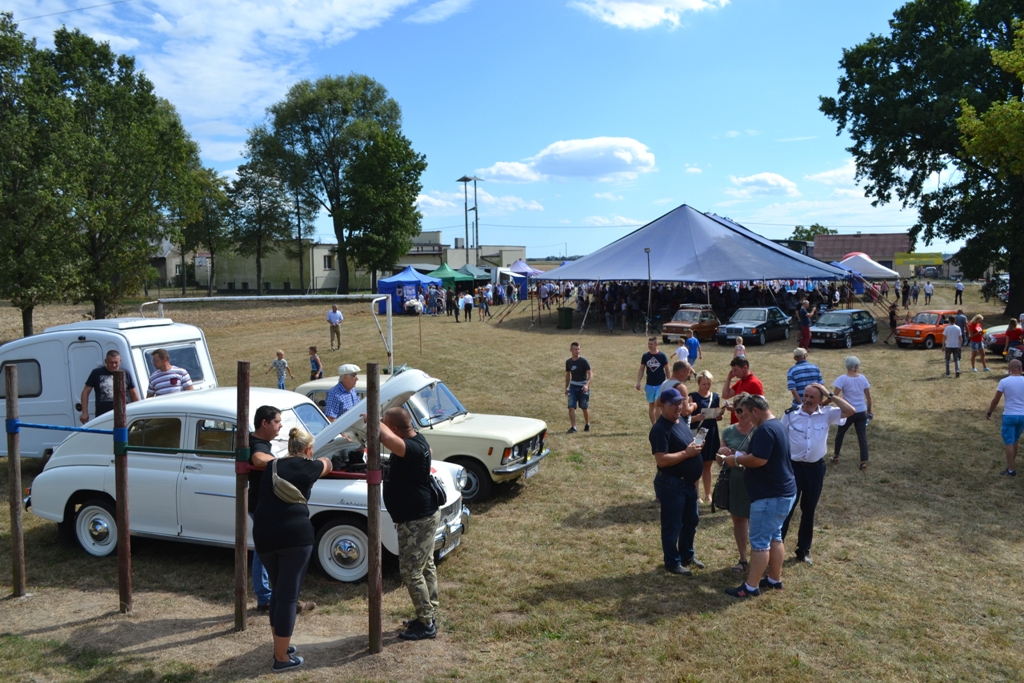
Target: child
[
  {"x": 740, "y": 349},
  {"x": 281, "y": 365},
  {"x": 681, "y": 351},
  {"x": 692, "y": 345},
  {"x": 316, "y": 367}
]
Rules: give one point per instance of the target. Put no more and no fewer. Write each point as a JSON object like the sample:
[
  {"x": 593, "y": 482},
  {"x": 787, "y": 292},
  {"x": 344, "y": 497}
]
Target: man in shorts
[
  {"x": 1011, "y": 386},
  {"x": 578, "y": 376},
  {"x": 653, "y": 363}
]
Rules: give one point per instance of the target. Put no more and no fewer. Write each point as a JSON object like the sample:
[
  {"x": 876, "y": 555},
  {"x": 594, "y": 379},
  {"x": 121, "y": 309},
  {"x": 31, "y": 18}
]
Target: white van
[{"x": 53, "y": 367}]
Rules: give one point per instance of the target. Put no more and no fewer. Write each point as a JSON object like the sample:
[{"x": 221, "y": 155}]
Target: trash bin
[{"x": 565, "y": 318}]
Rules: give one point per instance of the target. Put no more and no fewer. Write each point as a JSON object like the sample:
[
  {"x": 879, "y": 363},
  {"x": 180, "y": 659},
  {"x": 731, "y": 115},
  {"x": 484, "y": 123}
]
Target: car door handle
[{"x": 193, "y": 467}]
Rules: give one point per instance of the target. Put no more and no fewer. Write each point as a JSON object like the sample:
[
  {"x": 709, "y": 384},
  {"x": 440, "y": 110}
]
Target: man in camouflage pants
[{"x": 413, "y": 507}]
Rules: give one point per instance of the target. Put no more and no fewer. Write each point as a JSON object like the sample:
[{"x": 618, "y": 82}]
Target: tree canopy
[
  {"x": 899, "y": 99},
  {"x": 808, "y": 233}
]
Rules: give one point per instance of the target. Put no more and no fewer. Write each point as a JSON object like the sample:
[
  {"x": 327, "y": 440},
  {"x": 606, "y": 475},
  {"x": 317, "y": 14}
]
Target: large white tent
[{"x": 867, "y": 267}]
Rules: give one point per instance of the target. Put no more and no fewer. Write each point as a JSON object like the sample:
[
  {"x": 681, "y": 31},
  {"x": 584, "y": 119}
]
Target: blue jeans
[
  {"x": 260, "y": 581},
  {"x": 767, "y": 515},
  {"x": 280, "y": 383},
  {"x": 955, "y": 354},
  {"x": 679, "y": 517},
  {"x": 578, "y": 397}
]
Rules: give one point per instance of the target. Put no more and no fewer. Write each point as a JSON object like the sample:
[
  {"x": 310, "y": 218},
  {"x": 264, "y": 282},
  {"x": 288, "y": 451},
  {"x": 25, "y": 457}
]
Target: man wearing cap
[
  {"x": 342, "y": 396},
  {"x": 679, "y": 469},
  {"x": 801, "y": 375}
]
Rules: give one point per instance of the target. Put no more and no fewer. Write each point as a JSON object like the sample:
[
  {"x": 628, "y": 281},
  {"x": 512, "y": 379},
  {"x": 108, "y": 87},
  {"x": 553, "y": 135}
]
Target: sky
[{"x": 585, "y": 118}]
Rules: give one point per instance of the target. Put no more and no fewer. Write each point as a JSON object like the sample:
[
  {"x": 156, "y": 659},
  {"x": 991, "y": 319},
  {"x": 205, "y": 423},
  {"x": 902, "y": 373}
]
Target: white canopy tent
[{"x": 867, "y": 267}]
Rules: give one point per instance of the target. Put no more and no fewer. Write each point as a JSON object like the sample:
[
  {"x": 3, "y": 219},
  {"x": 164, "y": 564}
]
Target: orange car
[
  {"x": 697, "y": 318},
  {"x": 925, "y": 329}
]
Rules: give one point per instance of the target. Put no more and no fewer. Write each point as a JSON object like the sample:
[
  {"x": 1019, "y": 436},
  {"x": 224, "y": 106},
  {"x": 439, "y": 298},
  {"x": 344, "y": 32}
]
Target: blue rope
[{"x": 13, "y": 427}]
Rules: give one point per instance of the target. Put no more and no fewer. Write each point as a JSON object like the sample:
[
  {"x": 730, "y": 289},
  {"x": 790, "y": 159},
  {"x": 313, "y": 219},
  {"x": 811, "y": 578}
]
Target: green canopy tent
[
  {"x": 475, "y": 273},
  {"x": 450, "y": 277}
]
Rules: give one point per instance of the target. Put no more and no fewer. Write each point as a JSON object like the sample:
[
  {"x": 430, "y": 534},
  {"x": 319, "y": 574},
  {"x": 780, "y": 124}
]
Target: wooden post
[
  {"x": 421, "y": 333},
  {"x": 14, "y": 460},
  {"x": 124, "y": 544},
  {"x": 242, "y": 499},
  {"x": 373, "y": 482}
]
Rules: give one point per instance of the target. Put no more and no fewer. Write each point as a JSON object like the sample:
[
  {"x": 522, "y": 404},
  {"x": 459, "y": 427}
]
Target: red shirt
[
  {"x": 976, "y": 332},
  {"x": 750, "y": 385},
  {"x": 1014, "y": 334}
]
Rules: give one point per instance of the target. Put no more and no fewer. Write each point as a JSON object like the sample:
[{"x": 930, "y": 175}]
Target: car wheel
[
  {"x": 478, "y": 481},
  {"x": 343, "y": 548},
  {"x": 848, "y": 341},
  {"x": 874, "y": 336},
  {"x": 664, "y": 339},
  {"x": 761, "y": 339},
  {"x": 929, "y": 342},
  {"x": 96, "y": 527},
  {"x": 785, "y": 332}
]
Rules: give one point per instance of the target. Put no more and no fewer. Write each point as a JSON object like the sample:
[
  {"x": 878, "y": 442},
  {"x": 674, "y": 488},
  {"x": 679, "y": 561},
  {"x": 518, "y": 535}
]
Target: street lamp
[
  {"x": 476, "y": 216},
  {"x": 647, "y": 325},
  {"x": 465, "y": 187}
]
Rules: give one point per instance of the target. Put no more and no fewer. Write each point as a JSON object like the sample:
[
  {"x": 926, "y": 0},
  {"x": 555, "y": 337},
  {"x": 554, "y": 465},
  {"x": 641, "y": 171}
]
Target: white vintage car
[
  {"x": 492, "y": 448},
  {"x": 189, "y": 497}
]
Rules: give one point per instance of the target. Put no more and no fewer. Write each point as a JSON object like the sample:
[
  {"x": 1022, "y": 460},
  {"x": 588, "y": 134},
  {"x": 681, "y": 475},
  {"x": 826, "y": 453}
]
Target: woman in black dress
[
  {"x": 283, "y": 536},
  {"x": 705, "y": 398}
]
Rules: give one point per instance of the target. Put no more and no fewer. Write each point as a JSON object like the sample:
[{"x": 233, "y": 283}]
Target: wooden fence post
[
  {"x": 14, "y": 460},
  {"x": 242, "y": 498},
  {"x": 373, "y": 482},
  {"x": 124, "y": 544}
]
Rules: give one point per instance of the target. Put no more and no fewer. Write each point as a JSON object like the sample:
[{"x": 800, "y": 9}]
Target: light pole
[
  {"x": 465, "y": 187},
  {"x": 647, "y": 325}
]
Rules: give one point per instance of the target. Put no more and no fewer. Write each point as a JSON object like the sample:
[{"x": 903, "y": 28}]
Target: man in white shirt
[
  {"x": 929, "y": 289},
  {"x": 334, "y": 318},
  {"x": 167, "y": 379},
  {"x": 958, "y": 297},
  {"x": 952, "y": 342},
  {"x": 807, "y": 429},
  {"x": 1011, "y": 386}
]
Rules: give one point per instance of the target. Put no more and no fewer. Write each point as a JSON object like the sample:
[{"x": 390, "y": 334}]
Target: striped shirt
[
  {"x": 802, "y": 375},
  {"x": 170, "y": 381}
]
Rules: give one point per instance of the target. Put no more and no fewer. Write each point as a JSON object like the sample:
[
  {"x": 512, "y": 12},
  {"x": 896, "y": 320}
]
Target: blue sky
[{"x": 586, "y": 118}]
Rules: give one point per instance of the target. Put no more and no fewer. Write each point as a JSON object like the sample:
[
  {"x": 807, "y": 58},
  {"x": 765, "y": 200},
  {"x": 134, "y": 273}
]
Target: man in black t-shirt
[
  {"x": 653, "y": 363},
  {"x": 577, "y": 387},
  {"x": 102, "y": 381},
  {"x": 679, "y": 468},
  {"x": 413, "y": 508}
]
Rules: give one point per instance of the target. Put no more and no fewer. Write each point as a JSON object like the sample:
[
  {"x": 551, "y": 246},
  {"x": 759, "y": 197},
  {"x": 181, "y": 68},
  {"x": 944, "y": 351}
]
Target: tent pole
[{"x": 586, "y": 313}]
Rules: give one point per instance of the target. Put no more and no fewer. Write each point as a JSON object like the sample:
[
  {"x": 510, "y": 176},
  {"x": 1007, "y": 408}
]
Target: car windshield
[
  {"x": 434, "y": 404},
  {"x": 748, "y": 315},
  {"x": 926, "y": 318},
  {"x": 311, "y": 417},
  {"x": 834, "y": 320},
  {"x": 686, "y": 316}
]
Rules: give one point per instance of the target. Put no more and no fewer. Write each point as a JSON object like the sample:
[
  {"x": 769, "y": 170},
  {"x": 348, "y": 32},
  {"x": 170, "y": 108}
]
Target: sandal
[
  {"x": 864, "y": 465},
  {"x": 741, "y": 567}
]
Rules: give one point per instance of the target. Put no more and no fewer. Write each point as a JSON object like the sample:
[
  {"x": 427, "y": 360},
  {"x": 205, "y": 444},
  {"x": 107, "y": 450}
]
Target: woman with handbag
[
  {"x": 703, "y": 399},
  {"x": 283, "y": 536},
  {"x": 735, "y": 438}
]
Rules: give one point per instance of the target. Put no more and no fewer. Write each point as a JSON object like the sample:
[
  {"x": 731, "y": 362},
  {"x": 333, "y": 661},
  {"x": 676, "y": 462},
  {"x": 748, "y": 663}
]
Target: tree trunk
[
  {"x": 373, "y": 281},
  {"x": 99, "y": 309},
  {"x": 26, "y": 321},
  {"x": 298, "y": 221},
  {"x": 339, "y": 233},
  {"x": 259, "y": 272},
  {"x": 1015, "y": 267},
  {"x": 184, "y": 273},
  {"x": 211, "y": 275}
]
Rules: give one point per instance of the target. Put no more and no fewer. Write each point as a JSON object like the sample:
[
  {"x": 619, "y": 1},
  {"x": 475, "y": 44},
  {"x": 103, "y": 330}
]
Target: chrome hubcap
[
  {"x": 99, "y": 532},
  {"x": 346, "y": 553}
]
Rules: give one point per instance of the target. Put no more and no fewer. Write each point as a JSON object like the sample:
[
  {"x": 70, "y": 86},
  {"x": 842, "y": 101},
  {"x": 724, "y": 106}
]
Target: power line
[{"x": 77, "y": 9}]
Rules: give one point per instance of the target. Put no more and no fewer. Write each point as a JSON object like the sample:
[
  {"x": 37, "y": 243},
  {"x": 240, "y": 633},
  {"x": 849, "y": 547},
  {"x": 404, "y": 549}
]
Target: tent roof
[
  {"x": 689, "y": 246},
  {"x": 445, "y": 272},
  {"x": 474, "y": 272},
  {"x": 867, "y": 267},
  {"x": 409, "y": 276},
  {"x": 523, "y": 268}
]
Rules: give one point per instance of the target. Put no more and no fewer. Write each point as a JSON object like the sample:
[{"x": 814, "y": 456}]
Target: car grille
[
  {"x": 734, "y": 330},
  {"x": 533, "y": 446},
  {"x": 451, "y": 512}
]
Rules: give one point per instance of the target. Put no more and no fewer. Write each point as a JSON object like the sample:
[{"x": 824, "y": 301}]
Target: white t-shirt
[
  {"x": 928, "y": 289},
  {"x": 959, "y": 286},
  {"x": 682, "y": 353},
  {"x": 853, "y": 390},
  {"x": 1012, "y": 387},
  {"x": 954, "y": 337}
]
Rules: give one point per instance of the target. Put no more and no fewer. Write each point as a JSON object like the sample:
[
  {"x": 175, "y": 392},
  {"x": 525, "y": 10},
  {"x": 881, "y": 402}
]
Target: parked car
[
  {"x": 188, "y": 497},
  {"x": 844, "y": 328},
  {"x": 932, "y": 272},
  {"x": 925, "y": 329},
  {"x": 755, "y": 325},
  {"x": 698, "y": 318},
  {"x": 492, "y": 448},
  {"x": 995, "y": 340}
]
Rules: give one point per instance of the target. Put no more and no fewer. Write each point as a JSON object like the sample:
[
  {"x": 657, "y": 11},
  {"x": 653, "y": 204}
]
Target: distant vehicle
[
  {"x": 925, "y": 329},
  {"x": 844, "y": 328},
  {"x": 995, "y": 339},
  {"x": 931, "y": 271},
  {"x": 698, "y": 318},
  {"x": 755, "y": 325}
]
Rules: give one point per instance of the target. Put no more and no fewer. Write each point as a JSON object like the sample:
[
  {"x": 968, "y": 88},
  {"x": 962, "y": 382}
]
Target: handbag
[
  {"x": 720, "y": 494},
  {"x": 285, "y": 490}
]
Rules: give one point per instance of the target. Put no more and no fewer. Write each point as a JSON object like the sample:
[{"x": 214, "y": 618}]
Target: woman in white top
[{"x": 855, "y": 388}]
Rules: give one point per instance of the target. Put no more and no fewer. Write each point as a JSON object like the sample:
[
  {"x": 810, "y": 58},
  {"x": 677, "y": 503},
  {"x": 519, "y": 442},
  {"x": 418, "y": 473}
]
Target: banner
[{"x": 903, "y": 258}]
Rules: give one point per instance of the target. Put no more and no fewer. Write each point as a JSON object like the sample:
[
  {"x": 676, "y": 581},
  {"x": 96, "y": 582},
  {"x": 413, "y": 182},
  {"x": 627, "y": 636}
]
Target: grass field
[{"x": 917, "y": 559}]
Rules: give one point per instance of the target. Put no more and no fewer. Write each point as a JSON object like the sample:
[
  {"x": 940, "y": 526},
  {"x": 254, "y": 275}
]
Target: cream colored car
[{"x": 492, "y": 448}]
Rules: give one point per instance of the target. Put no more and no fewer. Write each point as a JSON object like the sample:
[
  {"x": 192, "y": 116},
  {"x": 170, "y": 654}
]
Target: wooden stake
[
  {"x": 242, "y": 498},
  {"x": 14, "y": 460},
  {"x": 373, "y": 495},
  {"x": 124, "y": 543}
]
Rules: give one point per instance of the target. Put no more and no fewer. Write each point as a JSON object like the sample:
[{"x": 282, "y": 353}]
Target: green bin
[{"x": 565, "y": 318}]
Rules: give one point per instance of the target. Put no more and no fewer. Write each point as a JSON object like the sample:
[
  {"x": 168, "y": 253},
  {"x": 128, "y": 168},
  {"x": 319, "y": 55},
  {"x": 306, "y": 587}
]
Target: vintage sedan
[
  {"x": 844, "y": 328},
  {"x": 492, "y": 448},
  {"x": 995, "y": 340},
  {"x": 755, "y": 325},
  {"x": 925, "y": 329},
  {"x": 191, "y": 497},
  {"x": 697, "y": 318}
]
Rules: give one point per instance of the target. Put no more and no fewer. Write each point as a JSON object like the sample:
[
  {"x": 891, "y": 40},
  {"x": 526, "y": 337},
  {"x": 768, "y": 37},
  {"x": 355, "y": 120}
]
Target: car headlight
[
  {"x": 917, "y": 333},
  {"x": 461, "y": 479},
  {"x": 515, "y": 452}
]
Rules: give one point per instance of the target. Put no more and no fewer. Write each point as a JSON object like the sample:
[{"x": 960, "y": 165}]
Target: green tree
[
  {"x": 899, "y": 99},
  {"x": 809, "y": 233},
  {"x": 36, "y": 265},
  {"x": 323, "y": 125},
  {"x": 259, "y": 213},
  {"x": 212, "y": 229},
  {"x": 381, "y": 184}
]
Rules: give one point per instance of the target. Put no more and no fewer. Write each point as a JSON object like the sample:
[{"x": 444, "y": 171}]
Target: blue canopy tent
[
  {"x": 689, "y": 246},
  {"x": 396, "y": 284}
]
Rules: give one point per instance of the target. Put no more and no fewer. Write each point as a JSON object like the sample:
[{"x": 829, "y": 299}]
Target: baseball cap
[
  {"x": 348, "y": 369},
  {"x": 671, "y": 396}
]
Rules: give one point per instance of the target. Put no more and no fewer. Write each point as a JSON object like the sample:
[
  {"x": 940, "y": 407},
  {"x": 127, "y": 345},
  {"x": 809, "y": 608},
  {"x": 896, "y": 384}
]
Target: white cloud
[
  {"x": 847, "y": 192},
  {"x": 842, "y": 176},
  {"x": 640, "y": 14},
  {"x": 797, "y": 139},
  {"x": 603, "y": 158},
  {"x": 761, "y": 184},
  {"x": 434, "y": 205},
  {"x": 694, "y": 169},
  {"x": 732, "y": 133},
  {"x": 452, "y": 203},
  {"x": 439, "y": 11},
  {"x": 606, "y": 221},
  {"x": 610, "y": 196}
]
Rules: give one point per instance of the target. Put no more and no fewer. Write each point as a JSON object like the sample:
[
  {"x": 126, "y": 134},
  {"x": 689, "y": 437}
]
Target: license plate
[
  {"x": 453, "y": 543},
  {"x": 817, "y": 341},
  {"x": 532, "y": 470}
]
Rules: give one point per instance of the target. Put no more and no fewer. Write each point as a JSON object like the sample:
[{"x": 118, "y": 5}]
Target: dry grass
[{"x": 916, "y": 574}]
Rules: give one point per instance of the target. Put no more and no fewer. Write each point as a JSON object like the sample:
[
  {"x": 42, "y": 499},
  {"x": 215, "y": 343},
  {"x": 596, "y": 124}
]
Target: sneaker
[
  {"x": 768, "y": 585},
  {"x": 292, "y": 650},
  {"x": 986, "y": 369},
  {"x": 307, "y": 606},
  {"x": 694, "y": 562},
  {"x": 586, "y": 427},
  {"x": 679, "y": 569},
  {"x": 262, "y": 609},
  {"x": 1009, "y": 473},
  {"x": 571, "y": 430},
  {"x": 958, "y": 375},
  {"x": 741, "y": 591},
  {"x": 804, "y": 557},
  {"x": 292, "y": 663},
  {"x": 974, "y": 369},
  {"x": 417, "y": 630}
]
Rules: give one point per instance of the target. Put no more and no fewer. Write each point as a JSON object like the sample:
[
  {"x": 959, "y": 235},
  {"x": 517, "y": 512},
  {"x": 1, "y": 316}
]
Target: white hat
[{"x": 347, "y": 369}]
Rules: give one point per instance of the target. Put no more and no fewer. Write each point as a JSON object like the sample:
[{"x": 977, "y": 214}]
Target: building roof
[{"x": 876, "y": 245}]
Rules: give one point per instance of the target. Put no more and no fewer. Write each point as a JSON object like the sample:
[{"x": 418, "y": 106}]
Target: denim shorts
[
  {"x": 652, "y": 392},
  {"x": 1013, "y": 427},
  {"x": 977, "y": 346},
  {"x": 766, "y": 518},
  {"x": 578, "y": 397}
]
